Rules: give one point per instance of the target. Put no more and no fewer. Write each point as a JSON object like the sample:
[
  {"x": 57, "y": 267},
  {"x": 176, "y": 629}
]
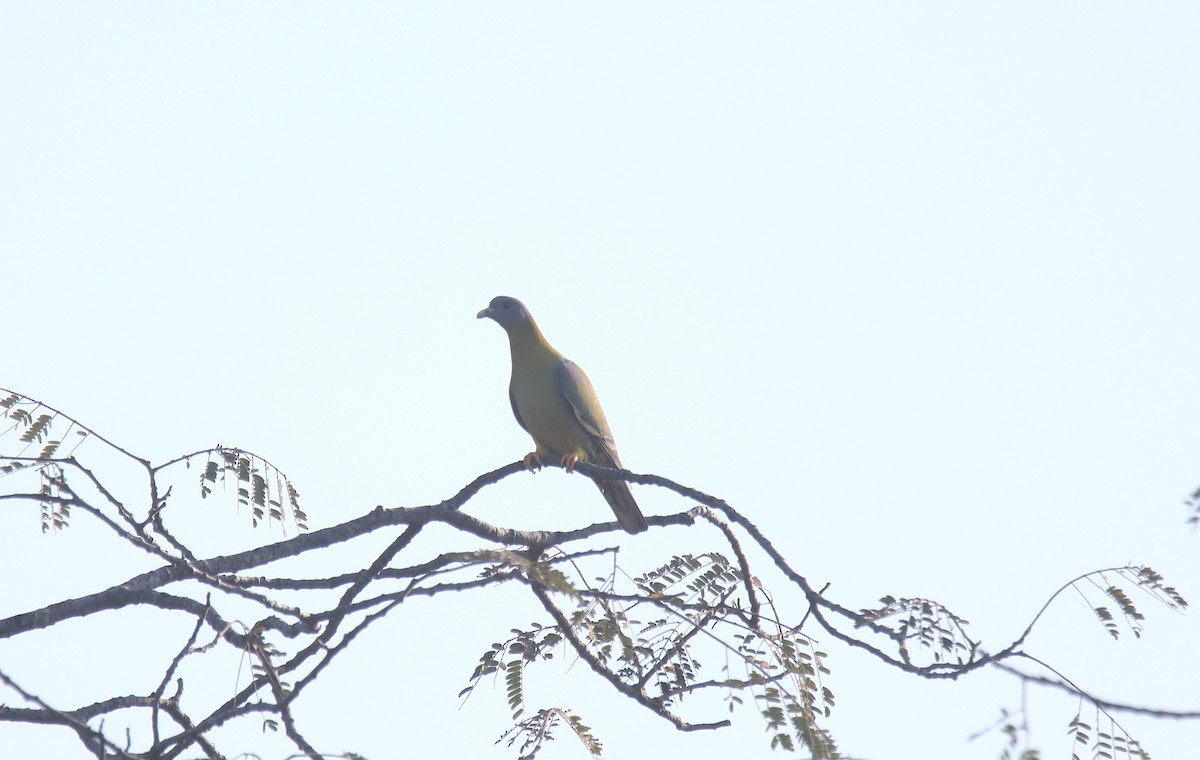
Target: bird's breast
[{"x": 547, "y": 416}]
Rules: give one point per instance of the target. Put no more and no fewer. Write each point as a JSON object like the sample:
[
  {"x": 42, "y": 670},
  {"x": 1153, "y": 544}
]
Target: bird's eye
[{"x": 507, "y": 304}]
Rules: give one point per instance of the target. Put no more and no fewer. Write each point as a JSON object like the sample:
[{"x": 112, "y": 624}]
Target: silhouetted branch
[
  {"x": 707, "y": 598},
  {"x": 633, "y": 692}
]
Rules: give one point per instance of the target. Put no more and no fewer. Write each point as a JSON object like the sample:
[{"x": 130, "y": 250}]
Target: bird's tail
[{"x": 619, "y": 497}]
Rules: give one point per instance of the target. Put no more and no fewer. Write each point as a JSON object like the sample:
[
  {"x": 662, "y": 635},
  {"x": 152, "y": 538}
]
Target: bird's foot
[
  {"x": 568, "y": 462},
  {"x": 533, "y": 461}
]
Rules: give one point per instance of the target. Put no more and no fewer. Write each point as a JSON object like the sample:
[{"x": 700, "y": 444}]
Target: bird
[{"x": 554, "y": 402}]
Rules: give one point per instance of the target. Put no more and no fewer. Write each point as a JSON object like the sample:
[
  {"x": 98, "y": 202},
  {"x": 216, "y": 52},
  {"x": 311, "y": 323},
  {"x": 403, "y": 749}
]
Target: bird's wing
[
  {"x": 577, "y": 390},
  {"x": 516, "y": 413}
]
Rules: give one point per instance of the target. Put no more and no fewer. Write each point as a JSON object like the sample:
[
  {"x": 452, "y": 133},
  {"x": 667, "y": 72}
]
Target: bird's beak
[{"x": 484, "y": 313}]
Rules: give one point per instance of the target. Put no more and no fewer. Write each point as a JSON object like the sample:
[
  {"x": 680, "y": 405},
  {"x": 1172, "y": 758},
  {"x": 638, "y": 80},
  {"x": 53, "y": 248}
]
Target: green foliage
[
  {"x": 1152, "y": 583},
  {"x": 36, "y": 430},
  {"x": 1015, "y": 729},
  {"x": 708, "y": 577},
  {"x": 535, "y": 731},
  {"x": 31, "y": 424},
  {"x": 1193, "y": 503},
  {"x": 652, "y": 637},
  {"x": 1110, "y": 585},
  {"x": 12, "y": 466},
  {"x": 511, "y": 657},
  {"x": 939, "y": 633},
  {"x": 261, "y": 486},
  {"x": 1104, "y": 739},
  {"x": 263, "y": 665},
  {"x": 55, "y": 506},
  {"x": 786, "y": 678}
]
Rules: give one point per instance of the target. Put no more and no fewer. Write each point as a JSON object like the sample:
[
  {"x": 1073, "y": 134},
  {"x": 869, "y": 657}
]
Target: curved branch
[
  {"x": 333, "y": 630},
  {"x": 1065, "y": 685},
  {"x": 632, "y": 692},
  {"x": 91, "y": 433}
]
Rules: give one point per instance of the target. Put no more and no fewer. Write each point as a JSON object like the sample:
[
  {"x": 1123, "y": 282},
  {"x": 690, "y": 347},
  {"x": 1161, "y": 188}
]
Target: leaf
[{"x": 37, "y": 430}]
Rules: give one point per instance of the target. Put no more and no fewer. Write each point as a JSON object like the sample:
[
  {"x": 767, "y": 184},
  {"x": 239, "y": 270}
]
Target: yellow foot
[
  {"x": 533, "y": 461},
  {"x": 569, "y": 462}
]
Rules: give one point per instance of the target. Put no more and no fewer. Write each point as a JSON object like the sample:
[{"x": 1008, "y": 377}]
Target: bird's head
[{"x": 508, "y": 312}]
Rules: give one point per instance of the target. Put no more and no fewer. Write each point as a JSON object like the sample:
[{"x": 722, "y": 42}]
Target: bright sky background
[{"x": 912, "y": 285}]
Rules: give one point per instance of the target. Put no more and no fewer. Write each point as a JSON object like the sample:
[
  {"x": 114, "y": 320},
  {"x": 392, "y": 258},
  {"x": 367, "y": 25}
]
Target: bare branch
[{"x": 714, "y": 600}]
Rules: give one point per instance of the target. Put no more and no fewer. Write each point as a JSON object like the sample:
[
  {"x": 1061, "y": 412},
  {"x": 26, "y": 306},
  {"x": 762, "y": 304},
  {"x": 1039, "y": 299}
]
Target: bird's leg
[
  {"x": 533, "y": 461},
  {"x": 569, "y": 461}
]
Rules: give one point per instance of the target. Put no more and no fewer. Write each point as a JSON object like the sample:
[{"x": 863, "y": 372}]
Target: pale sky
[{"x": 911, "y": 285}]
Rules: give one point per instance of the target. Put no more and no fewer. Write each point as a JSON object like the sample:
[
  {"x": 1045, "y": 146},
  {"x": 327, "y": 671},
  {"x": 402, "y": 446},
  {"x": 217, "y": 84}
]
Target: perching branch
[{"x": 712, "y": 602}]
